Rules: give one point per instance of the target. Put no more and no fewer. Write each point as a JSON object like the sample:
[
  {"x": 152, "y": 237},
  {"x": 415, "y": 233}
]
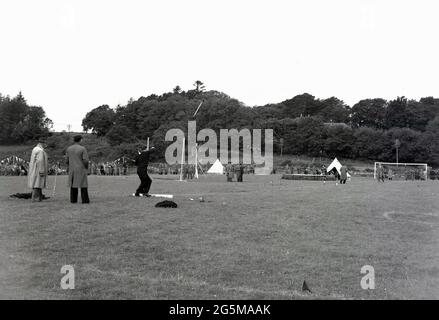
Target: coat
[
  {"x": 77, "y": 160},
  {"x": 343, "y": 173},
  {"x": 38, "y": 167}
]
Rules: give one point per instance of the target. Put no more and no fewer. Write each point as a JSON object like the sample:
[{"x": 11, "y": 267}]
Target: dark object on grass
[
  {"x": 305, "y": 287},
  {"x": 166, "y": 204},
  {"x": 25, "y": 196}
]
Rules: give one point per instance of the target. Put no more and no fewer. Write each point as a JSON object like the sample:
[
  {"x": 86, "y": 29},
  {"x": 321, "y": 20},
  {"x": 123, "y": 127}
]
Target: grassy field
[{"x": 259, "y": 239}]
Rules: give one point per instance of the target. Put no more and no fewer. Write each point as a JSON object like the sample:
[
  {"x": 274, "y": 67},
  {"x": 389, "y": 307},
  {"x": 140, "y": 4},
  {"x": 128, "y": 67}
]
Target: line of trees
[
  {"x": 20, "y": 122},
  {"x": 306, "y": 125}
]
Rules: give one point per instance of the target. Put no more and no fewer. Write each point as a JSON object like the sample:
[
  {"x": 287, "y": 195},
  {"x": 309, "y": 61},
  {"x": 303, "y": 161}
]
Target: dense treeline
[
  {"x": 20, "y": 122},
  {"x": 305, "y": 125}
]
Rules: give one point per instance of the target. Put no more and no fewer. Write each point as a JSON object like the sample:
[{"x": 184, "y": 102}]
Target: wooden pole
[
  {"x": 196, "y": 111},
  {"x": 182, "y": 160},
  {"x": 196, "y": 161}
]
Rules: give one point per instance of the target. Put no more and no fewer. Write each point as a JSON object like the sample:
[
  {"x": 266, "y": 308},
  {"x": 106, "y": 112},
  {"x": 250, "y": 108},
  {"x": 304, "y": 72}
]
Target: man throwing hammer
[{"x": 142, "y": 161}]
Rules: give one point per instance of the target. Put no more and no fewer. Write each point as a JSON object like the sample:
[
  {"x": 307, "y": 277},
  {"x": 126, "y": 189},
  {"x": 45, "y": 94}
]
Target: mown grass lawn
[{"x": 259, "y": 239}]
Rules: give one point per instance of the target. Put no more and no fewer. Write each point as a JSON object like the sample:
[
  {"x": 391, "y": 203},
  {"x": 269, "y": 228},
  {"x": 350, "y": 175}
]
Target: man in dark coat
[
  {"x": 77, "y": 162},
  {"x": 229, "y": 172},
  {"x": 380, "y": 173},
  {"x": 142, "y": 161},
  {"x": 343, "y": 174},
  {"x": 239, "y": 172}
]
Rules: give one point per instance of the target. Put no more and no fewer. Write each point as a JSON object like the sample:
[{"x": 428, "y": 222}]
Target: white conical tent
[
  {"x": 216, "y": 168},
  {"x": 337, "y": 165}
]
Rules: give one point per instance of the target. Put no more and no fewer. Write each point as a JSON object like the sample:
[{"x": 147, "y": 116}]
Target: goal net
[{"x": 402, "y": 171}]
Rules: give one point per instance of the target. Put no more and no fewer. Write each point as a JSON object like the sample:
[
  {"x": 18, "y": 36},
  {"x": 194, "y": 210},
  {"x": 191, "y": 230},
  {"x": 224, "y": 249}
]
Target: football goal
[{"x": 402, "y": 171}]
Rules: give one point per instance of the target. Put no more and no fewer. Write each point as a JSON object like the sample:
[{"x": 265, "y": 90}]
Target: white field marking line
[
  {"x": 429, "y": 214},
  {"x": 194, "y": 282},
  {"x": 386, "y": 215},
  {"x": 211, "y": 193}
]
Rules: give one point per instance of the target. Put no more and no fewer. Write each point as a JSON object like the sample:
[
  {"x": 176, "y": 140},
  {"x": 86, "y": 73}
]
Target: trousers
[
  {"x": 74, "y": 195},
  {"x": 145, "y": 182}
]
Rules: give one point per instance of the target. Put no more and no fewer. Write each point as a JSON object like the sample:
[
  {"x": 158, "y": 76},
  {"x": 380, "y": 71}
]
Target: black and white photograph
[{"x": 238, "y": 152}]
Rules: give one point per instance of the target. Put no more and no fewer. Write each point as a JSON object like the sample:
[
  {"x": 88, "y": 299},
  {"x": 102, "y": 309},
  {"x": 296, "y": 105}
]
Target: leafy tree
[
  {"x": 339, "y": 141},
  {"x": 396, "y": 114},
  {"x": 20, "y": 122},
  {"x": 177, "y": 90},
  {"x": 429, "y": 144},
  {"x": 369, "y": 113},
  {"x": 334, "y": 110},
  {"x": 119, "y": 134},
  {"x": 409, "y": 147},
  {"x": 369, "y": 143},
  {"x": 301, "y": 105},
  {"x": 419, "y": 114},
  {"x": 305, "y": 136},
  {"x": 199, "y": 86},
  {"x": 99, "y": 120}
]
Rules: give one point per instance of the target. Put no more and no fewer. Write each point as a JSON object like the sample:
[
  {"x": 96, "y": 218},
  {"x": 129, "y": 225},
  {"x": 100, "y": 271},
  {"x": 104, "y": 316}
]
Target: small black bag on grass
[{"x": 166, "y": 204}]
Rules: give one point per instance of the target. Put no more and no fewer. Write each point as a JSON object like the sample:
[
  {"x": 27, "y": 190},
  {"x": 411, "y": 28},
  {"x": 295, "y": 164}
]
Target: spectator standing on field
[
  {"x": 38, "y": 171},
  {"x": 380, "y": 173},
  {"x": 77, "y": 163},
  {"x": 343, "y": 174}
]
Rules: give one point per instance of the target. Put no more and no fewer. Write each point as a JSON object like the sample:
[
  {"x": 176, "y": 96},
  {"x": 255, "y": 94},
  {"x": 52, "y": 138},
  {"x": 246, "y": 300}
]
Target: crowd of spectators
[{"x": 13, "y": 166}]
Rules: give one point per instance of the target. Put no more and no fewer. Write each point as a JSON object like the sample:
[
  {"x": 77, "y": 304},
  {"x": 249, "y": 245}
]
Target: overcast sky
[{"x": 72, "y": 56}]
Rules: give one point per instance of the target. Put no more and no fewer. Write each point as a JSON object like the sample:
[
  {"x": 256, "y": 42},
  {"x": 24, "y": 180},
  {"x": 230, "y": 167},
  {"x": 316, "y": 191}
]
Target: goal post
[{"x": 402, "y": 171}]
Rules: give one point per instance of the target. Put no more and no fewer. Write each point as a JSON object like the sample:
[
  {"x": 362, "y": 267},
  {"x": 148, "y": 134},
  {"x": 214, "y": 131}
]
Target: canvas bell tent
[
  {"x": 216, "y": 168},
  {"x": 337, "y": 165}
]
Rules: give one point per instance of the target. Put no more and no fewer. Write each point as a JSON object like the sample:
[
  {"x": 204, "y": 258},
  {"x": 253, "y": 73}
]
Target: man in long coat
[
  {"x": 38, "y": 169},
  {"x": 229, "y": 172},
  {"x": 239, "y": 172},
  {"x": 380, "y": 173},
  {"x": 77, "y": 161},
  {"x": 343, "y": 174}
]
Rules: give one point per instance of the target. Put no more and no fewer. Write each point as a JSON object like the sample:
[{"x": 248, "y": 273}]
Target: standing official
[
  {"x": 77, "y": 162},
  {"x": 229, "y": 172},
  {"x": 38, "y": 169},
  {"x": 239, "y": 172},
  {"x": 343, "y": 174},
  {"x": 142, "y": 161},
  {"x": 380, "y": 173}
]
